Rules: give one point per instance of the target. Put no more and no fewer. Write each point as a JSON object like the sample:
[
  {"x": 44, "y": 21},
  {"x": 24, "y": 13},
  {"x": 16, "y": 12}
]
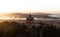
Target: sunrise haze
[{"x": 25, "y": 6}]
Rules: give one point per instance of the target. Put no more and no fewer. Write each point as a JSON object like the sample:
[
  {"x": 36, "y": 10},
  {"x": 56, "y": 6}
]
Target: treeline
[{"x": 14, "y": 29}]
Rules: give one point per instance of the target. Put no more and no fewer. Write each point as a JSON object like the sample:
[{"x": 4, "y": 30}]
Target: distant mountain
[
  {"x": 15, "y": 15},
  {"x": 38, "y": 15},
  {"x": 25, "y": 15},
  {"x": 41, "y": 13}
]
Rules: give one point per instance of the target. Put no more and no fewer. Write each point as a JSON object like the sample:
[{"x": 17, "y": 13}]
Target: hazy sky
[{"x": 51, "y": 6}]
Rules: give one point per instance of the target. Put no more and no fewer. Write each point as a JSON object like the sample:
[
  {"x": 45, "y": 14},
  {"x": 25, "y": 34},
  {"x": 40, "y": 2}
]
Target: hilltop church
[{"x": 30, "y": 21}]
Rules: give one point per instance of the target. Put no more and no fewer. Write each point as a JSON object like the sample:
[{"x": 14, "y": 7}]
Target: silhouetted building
[
  {"x": 30, "y": 22},
  {"x": 30, "y": 19}
]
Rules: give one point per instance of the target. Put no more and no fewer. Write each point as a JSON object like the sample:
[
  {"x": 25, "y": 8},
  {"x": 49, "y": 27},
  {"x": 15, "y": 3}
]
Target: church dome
[{"x": 30, "y": 18}]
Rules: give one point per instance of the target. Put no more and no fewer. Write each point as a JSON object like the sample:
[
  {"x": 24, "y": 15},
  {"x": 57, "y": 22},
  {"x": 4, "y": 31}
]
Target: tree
[{"x": 9, "y": 29}]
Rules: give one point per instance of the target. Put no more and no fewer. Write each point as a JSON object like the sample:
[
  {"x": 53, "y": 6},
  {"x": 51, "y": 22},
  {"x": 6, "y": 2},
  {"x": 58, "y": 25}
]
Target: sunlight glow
[
  {"x": 52, "y": 6},
  {"x": 6, "y": 18},
  {"x": 11, "y": 18}
]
